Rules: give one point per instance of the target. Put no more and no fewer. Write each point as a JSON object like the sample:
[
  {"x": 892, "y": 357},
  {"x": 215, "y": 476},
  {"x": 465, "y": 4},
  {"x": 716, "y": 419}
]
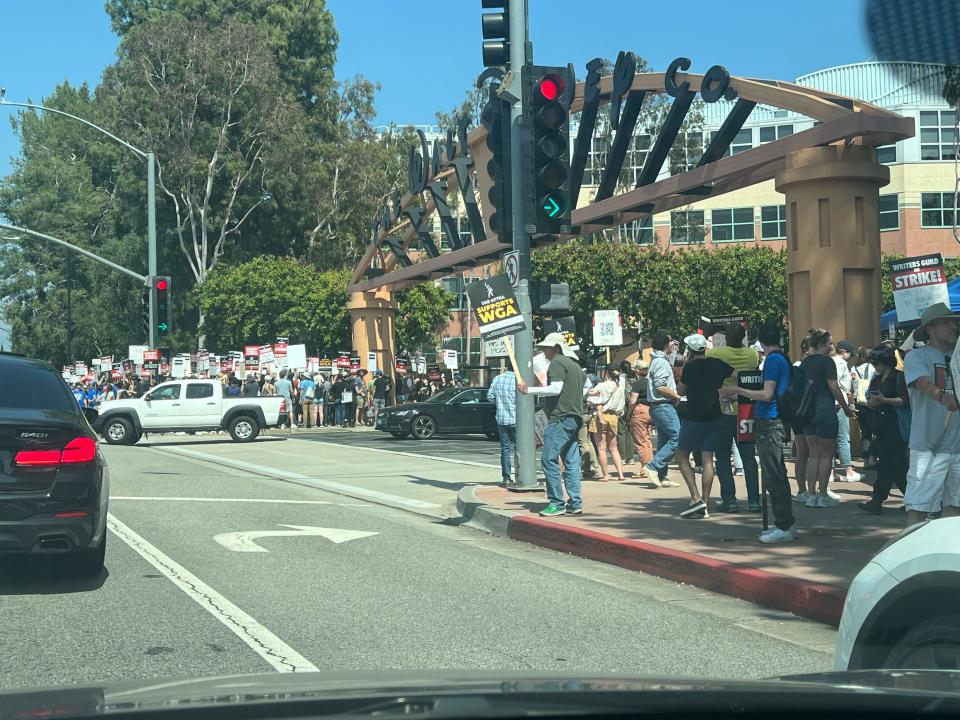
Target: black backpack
[{"x": 798, "y": 404}]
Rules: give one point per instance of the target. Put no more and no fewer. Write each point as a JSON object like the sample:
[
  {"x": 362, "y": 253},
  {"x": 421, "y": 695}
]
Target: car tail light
[
  {"x": 35, "y": 458},
  {"x": 72, "y": 514},
  {"x": 78, "y": 450}
]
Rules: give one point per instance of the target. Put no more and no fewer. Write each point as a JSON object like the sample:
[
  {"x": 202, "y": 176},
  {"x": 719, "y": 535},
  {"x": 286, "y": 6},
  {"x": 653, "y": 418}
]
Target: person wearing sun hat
[
  {"x": 564, "y": 409},
  {"x": 933, "y": 479}
]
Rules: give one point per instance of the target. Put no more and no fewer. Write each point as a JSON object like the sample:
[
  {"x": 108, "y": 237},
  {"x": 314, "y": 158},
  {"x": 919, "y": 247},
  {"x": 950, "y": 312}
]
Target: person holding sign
[
  {"x": 933, "y": 480},
  {"x": 564, "y": 409}
]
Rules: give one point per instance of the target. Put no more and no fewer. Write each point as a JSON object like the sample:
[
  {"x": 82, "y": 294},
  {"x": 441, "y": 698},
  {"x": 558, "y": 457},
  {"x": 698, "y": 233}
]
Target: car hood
[{"x": 473, "y": 694}]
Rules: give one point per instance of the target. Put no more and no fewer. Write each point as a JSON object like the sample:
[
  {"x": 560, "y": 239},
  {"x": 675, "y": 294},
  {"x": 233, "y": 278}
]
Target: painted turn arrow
[{"x": 244, "y": 541}]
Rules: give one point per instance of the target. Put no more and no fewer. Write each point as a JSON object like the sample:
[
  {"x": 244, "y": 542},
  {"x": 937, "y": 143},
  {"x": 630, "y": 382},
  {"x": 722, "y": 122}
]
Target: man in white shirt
[{"x": 842, "y": 355}]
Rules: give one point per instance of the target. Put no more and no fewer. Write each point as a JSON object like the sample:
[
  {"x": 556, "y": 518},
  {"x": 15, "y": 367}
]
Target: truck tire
[
  {"x": 243, "y": 428},
  {"x": 119, "y": 431}
]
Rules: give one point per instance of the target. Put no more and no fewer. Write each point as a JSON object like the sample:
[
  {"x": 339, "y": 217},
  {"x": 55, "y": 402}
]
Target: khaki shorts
[
  {"x": 933, "y": 481},
  {"x": 610, "y": 423}
]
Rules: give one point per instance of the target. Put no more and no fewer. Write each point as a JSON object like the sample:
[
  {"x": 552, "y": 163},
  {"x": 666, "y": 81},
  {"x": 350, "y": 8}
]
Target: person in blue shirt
[
  {"x": 769, "y": 433},
  {"x": 79, "y": 395}
]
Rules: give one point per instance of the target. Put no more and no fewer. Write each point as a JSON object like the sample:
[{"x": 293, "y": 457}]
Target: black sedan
[
  {"x": 54, "y": 484},
  {"x": 449, "y": 412}
]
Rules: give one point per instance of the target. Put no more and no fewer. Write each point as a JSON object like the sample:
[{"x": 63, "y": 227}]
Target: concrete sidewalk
[{"x": 635, "y": 525}]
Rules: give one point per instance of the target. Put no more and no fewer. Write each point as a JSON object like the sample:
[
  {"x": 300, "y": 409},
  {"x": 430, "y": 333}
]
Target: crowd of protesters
[{"x": 681, "y": 406}]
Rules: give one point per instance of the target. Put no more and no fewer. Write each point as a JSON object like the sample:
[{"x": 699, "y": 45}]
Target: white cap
[{"x": 696, "y": 342}]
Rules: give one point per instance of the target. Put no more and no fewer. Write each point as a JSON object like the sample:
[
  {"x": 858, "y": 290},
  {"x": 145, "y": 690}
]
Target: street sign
[
  {"x": 511, "y": 267},
  {"x": 245, "y": 541},
  {"x": 607, "y": 328}
]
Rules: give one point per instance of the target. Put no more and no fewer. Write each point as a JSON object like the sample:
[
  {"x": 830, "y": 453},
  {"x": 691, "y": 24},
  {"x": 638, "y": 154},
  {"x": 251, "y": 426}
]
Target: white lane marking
[
  {"x": 305, "y": 479},
  {"x": 275, "y": 651},
  {"x": 244, "y": 541},
  {"x": 219, "y": 499},
  {"x": 398, "y": 452}
]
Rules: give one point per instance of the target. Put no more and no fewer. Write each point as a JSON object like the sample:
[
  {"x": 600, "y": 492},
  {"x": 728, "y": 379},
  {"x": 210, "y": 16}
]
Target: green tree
[
  {"x": 256, "y": 301},
  {"x": 421, "y": 314}
]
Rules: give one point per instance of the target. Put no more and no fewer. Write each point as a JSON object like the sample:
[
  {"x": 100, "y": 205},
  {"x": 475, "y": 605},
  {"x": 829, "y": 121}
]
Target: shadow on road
[
  {"x": 43, "y": 575},
  {"x": 225, "y": 441}
]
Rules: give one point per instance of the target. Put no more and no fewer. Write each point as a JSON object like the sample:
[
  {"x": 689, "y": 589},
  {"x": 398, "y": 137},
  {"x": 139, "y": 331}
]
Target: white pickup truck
[{"x": 187, "y": 406}]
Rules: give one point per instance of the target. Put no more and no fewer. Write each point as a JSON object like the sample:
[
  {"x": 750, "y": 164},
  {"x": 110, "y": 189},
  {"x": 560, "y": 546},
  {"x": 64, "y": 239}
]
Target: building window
[
  {"x": 769, "y": 133},
  {"x": 741, "y": 143},
  {"x": 936, "y": 134},
  {"x": 887, "y": 154},
  {"x": 686, "y": 226},
  {"x": 637, "y": 155},
  {"x": 734, "y": 224},
  {"x": 889, "y": 212},
  {"x": 773, "y": 222},
  {"x": 936, "y": 209},
  {"x": 465, "y": 236},
  {"x": 454, "y": 286}
]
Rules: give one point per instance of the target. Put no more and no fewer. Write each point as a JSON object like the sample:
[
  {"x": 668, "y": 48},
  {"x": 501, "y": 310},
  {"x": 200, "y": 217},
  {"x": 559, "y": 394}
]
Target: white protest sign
[
  {"x": 450, "y": 359},
  {"x": 495, "y": 348},
  {"x": 297, "y": 357},
  {"x": 918, "y": 282},
  {"x": 135, "y": 353},
  {"x": 266, "y": 355},
  {"x": 607, "y": 328},
  {"x": 179, "y": 367},
  {"x": 371, "y": 361}
]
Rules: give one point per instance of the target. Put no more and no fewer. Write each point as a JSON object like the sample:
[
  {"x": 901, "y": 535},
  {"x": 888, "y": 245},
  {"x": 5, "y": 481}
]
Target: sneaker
[
  {"x": 652, "y": 476},
  {"x": 755, "y": 507},
  {"x": 698, "y": 469},
  {"x": 871, "y": 507},
  {"x": 738, "y": 471},
  {"x": 574, "y": 510},
  {"x": 776, "y": 535},
  {"x": 838, "y": 477},
  {"x": 811, "y": 501},
  {"x": 551, "y": 510},
  {"x": 668, "y": 483},
  {"x": 825, "y": 501},
  {"x": 695, "y": 509},
  {"x": 853, "y": 476},
  {"x": 800, "y": 497},
  {"x": 833, "y": 496},
  {"x": 730, "y": 506}
]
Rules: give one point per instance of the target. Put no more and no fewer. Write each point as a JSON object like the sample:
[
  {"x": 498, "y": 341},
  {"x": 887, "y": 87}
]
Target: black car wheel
[
  {"x": 493, "y": 436},
  {"x": 933, "y": 645},
  {"x": 423, "y": 427},
  {"x": 400, "y": 435},
  {"x": 119, "y": 431},
  {"x": 243, "y": 428},
  {"x": 85, "y": 563}
]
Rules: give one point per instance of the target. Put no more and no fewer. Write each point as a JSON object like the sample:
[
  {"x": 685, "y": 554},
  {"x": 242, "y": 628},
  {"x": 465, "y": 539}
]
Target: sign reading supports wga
[
  {"x": 607, "y": 328},
  {"x": 495, "y": 307},
  {"x": 918, "y": 282}
]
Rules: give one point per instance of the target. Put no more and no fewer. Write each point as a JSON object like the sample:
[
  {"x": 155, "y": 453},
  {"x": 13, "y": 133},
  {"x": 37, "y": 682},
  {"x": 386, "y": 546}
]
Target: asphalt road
[{"x": 350, "y": 585}]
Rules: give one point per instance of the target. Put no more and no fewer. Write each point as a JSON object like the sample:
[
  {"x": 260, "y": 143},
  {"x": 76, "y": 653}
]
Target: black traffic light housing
[
  {"x": 546, "y": 154},
  {"x": 495, "y": 117},
  {"x": 160, "y": 286},
  {"x": 548, "y": 298},
  {"x": 496, "y": 33}
]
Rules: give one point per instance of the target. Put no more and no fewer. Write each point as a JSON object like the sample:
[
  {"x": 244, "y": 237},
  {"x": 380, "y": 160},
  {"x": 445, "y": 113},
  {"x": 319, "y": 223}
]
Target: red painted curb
[{"x": 816, "y": 601}]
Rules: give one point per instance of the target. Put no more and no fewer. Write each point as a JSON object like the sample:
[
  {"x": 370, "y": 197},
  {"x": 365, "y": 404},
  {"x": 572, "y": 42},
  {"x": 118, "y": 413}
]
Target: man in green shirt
[{"x": 563, "y": 405}]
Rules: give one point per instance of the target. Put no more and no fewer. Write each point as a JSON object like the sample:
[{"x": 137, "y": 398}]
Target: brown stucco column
[
  {"x": 371, "y": 320},
  {"x": 833, "y": 242}
]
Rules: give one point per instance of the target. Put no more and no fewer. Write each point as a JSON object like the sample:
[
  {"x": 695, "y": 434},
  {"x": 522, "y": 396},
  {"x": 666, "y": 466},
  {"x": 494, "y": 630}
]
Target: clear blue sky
[{"x": 422, "y": 70}]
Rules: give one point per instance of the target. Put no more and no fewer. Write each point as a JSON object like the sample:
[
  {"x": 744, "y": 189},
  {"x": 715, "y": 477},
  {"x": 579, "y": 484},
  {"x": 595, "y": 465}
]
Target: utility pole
[
  {"x": 152, "y": 242},
  {"x": 69, "y": 307},
  {"x": 520, "y": 54}
]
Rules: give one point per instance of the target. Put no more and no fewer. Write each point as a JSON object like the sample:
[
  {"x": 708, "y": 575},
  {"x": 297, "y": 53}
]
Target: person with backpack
[
  {"x": 818, "y": 373},
  {"x": 891, "y": 425},
  {"x": 769, "y": 433}
]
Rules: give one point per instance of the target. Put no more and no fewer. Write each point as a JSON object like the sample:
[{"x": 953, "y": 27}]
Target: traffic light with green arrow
[
  {"x": 546, "y": 155},
  {"x": 161, "y": 287}
]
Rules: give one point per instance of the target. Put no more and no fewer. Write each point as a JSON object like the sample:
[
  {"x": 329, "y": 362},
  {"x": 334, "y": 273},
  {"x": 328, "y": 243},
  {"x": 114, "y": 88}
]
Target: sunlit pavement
[{"x": 312, "y": 553}]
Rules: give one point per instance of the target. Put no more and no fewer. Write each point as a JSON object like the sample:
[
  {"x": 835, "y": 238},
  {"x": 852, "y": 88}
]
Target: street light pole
[
  {"x": 151, "y": 194},
  {"x": 520, "y": 54},
  {"x": 69, "y": 308}
]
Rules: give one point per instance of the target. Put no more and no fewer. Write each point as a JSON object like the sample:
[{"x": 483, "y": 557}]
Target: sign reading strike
[
  {"x": 749, "y": 380},
  {"x": 918, "y": 282},
  {"x": 495, "y": 307}
]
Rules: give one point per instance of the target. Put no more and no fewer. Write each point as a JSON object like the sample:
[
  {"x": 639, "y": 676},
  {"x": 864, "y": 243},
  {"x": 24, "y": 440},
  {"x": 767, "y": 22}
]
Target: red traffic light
[
  {"x": 551, "y": 87},
  {"x": 162, "y": 284}
]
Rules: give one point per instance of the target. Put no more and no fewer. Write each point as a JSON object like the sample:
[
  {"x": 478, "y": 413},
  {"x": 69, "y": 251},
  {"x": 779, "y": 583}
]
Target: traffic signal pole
[
  {"x": 152, "y": 243},
  {"x": 523, "y": 341}
]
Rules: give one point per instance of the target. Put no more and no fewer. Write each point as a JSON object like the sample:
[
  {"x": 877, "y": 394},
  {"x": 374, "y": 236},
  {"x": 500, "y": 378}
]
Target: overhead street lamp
[{"x": 151, "y": 192}]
